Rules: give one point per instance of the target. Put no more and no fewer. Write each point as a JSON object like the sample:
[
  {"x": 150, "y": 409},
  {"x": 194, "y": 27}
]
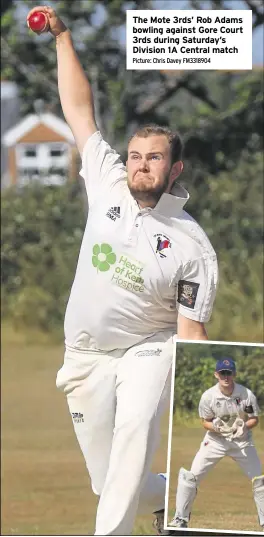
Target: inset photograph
[{"x": 216, "y": 444}]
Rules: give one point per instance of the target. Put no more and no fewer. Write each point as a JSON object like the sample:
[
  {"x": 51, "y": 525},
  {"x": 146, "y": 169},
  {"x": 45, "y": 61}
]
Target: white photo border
[{"x": 196, "y": 530}]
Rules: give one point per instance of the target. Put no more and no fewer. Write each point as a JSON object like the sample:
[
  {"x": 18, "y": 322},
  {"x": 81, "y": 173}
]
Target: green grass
[
  {"x": 224, "y": 499},
  {"x": 45, "y": 486}
]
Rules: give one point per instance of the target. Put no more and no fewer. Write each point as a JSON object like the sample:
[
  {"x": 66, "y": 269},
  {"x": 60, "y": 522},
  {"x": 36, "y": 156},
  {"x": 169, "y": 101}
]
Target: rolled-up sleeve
[
  {"x": 101, "y": 168},
  {"x": 205, "y": 410},
  {"x": 196, "y": 289},
  {"x": 251, "y": 407}
]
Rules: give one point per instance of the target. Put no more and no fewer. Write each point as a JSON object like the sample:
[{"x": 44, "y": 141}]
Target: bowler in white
[{"x": 146, "y": 272}]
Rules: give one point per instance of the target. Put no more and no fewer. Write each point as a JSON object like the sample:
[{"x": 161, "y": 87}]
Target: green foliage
[
  {"x": 42, "y": 229},
  {"x": 195, "y": 365},
  {"x": 191, "y": 376},
  {"x": 231, "y": 213},
  {"x": 125, "y": 99},
  {"x": 30, "y": 60}
]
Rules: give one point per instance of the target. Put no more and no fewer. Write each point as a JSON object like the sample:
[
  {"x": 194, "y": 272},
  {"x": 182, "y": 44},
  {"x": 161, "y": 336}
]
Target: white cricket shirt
[
  {"x": 241, "y": 403},
  {"x": 137, "y": 267}
]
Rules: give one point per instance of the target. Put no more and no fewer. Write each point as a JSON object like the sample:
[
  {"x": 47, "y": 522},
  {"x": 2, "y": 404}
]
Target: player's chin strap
[
  {"x": 186, "y": 492},
  {"x": 258, "y": 492}
]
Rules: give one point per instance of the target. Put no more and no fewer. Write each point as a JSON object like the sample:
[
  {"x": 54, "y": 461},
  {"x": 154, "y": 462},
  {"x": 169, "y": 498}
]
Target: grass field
[
  {"x": 224, "y": 499},
  {"x": 45, "y": 487}
]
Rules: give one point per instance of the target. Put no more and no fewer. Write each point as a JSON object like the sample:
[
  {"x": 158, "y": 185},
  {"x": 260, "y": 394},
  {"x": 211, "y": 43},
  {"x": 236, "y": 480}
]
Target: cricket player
[
  {"x": 229, "y": 411},
  {"x": 145, "y": 272}
]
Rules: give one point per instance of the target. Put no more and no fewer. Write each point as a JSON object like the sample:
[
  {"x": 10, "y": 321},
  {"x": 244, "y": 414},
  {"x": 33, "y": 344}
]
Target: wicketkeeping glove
[
  {"x": 239, "y": 428},
  {"x": 223, "y": 428},
  {"x": 217, "y": 424}
]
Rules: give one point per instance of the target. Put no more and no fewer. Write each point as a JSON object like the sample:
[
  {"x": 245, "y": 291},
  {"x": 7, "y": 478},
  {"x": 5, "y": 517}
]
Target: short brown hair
[{"x": 174, "y": 138}]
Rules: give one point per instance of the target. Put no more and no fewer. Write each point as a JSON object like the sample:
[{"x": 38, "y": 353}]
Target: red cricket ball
[{"x": 38, "y": 21}]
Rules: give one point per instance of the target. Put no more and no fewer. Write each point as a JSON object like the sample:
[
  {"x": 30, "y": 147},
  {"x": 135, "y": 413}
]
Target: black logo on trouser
[{"x": 77, "y": 417}]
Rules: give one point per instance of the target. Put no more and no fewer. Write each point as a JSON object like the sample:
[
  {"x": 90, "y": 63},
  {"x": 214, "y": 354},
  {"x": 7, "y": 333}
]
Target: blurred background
[
  {"x": 224, "y": 500},
  {"x": 43, "y": 209},
  {"x": 195, "y": 366}
]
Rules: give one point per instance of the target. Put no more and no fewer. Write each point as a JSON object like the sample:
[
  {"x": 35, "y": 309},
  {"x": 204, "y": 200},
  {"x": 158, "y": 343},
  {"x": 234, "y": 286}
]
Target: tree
[
  {"x": 122, "y": 97},
  {"x": 194, "y": 374},
  {"x": 256, "y": 6},
  {"x": 5, "y": 5}
]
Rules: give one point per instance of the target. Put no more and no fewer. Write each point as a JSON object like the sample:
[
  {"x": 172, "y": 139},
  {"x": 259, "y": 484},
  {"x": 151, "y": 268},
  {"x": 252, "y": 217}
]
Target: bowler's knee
[{"x": 138, "y": 423}]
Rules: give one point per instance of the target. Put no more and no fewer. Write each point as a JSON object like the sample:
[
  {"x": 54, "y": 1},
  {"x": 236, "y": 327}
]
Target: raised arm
[{"x": 74, "y": 88}]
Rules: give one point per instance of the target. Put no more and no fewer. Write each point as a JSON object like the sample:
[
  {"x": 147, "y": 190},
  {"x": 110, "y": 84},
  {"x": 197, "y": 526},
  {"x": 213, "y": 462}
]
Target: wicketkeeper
[{"x": 229, "y": 411}]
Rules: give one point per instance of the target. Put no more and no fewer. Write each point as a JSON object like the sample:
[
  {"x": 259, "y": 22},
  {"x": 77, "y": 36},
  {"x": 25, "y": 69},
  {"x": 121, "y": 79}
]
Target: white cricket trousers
[
  {"x": 116, "y": 401},
  {"x": 212, "y": 451}
]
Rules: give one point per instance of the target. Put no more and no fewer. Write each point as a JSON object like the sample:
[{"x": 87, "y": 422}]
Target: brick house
[{"x": 41, "y": 148}]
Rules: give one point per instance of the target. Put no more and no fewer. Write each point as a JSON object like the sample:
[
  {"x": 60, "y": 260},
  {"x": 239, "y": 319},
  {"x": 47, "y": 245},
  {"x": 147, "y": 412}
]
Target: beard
[{"x": 145, "y": 192}]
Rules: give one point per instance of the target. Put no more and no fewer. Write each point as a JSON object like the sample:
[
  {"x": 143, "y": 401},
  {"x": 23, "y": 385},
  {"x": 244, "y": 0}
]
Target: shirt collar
[
  {"x": 172, "y": 204},
  {"x": 234, "y": 392}
]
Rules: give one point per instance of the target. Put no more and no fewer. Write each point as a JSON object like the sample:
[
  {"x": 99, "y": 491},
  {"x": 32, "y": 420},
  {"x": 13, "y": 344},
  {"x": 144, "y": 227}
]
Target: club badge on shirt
[
  {"x": 162, "y": 244},
  {"x": 187, "y": 293}
]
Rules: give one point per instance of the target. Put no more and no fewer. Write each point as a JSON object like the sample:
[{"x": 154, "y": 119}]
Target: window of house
[
  {"x": 57, "y": 171},
  {"x": 30, "y": 152},
  {"x": 57, "y": 150},
  {"x": 29, "y": 171}
]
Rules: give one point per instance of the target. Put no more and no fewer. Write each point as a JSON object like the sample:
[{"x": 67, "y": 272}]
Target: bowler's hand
[{"x": 56, "y": 26}]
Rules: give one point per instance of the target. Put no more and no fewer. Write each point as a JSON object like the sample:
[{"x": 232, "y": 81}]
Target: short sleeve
[
  {"x": 101, "y": 168},
  {"x": 205, "y": 410},
  {"x": 196, "y": 289},
  {"x": 251, "y": 408}
]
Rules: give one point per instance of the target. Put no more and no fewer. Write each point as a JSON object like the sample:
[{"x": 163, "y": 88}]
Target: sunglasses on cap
[{"x": 226, "y": 372}]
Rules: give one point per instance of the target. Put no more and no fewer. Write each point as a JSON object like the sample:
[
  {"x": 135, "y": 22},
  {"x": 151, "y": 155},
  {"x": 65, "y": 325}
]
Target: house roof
[{"x": 13, "y": 135}]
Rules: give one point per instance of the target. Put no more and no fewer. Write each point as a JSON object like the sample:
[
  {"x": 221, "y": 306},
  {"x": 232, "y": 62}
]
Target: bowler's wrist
[{"x": 64, "y": 34}]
